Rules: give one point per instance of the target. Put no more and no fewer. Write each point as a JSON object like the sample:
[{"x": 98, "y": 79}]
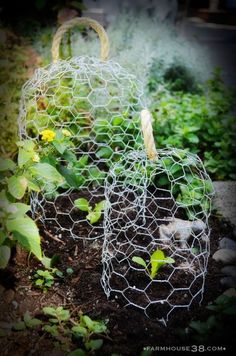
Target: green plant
[
  {"x": 201, "y": 123},
  {"x": 94, "y": 214},
  {"x": 222, "y": 312},
  {"x": 27, "y": 322},
  {"x": 86, "y": 329},
  {"x": 157, "y": 260},
  {"x": 63, "y": 328},
  {"x": 17, "y": 226}
]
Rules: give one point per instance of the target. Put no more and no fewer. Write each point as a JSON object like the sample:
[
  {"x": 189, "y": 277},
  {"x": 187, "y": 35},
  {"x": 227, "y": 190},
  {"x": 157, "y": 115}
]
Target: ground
[{"x": 129, "y": 329}]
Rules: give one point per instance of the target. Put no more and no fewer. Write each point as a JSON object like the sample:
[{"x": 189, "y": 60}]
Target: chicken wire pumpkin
[
  {"x": 156, "y": 245},
  {"x": 81, "y": 114}
]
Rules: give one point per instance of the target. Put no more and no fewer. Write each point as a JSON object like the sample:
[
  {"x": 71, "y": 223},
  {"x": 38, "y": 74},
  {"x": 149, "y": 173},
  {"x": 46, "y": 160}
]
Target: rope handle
[
  {"x": 104, "y": 52},
  {"x": 149, "y": 143}
]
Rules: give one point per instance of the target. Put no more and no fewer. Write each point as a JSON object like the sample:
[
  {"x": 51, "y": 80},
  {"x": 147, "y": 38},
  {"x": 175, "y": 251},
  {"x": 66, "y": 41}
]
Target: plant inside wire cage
[
  {"x": 156, "y": 245},
  {"x": 79, "y": 115}
]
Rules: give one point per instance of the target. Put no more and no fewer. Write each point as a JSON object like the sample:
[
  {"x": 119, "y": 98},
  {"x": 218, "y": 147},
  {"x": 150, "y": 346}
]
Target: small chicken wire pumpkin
[
  {"x": 156, "y": 245},
  {"x": 81, "y": 115}
]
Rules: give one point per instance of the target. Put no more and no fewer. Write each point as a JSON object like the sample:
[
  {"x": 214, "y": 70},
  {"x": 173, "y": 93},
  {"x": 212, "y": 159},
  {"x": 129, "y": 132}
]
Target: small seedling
[
  {"x": 157, "y": 260},
  {"x": 27, "y": 322},
  {"x": 94, "y": 214},
  {"x": 86, "y": 329},
  {"x": 62, "y": 327},
  {"x": 45, "y": 279}
]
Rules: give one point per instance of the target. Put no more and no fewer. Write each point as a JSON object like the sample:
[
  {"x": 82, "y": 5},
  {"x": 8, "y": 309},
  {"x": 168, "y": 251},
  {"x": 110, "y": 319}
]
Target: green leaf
[
  {"x": 94, "y": 216},
  {"x": 22, "y": 209},
  {"x": 192, "y": 138},
  {"x": 169, "y": 260},
  {"x": 117, "y": 121},
  {"x": 70, "y": 177},
  {"x": 46, "y": 261},
  {"x": 51, "y": 329},
  {"x": 77, "y": 352},
  {"x": 80, "y": 330},
  {"x": 26, "y": 233},
  {"x": 31, "y": 322},
  {"x": 94, "y": 344},
  {"x": 157, "y": 260},
  {"x": 82, "y": 162},
  {"x": 33, "y": 186},
  {"x": 100, "y": 206},
  {"x": 46, "y": 171},
  {"x": 82, "y": 204},
  {"x": 17, "y": 186},
  {"x": 140, "y": 261},
  {"x": 5, "y": 254},
  {"x": 88, "y": 321},
  {"x": 6, "y": 164},
  {"x": 24, "y": 156},
  {"x": 60, "y": 146},
  {"x": 104, "y": 152},
  {"x": 20, "y": 325}
]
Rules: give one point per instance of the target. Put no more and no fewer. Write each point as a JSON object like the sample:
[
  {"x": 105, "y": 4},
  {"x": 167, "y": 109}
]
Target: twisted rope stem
[
  {"x": 104, "y": 53},
  {"x": 146, "y": 124}
]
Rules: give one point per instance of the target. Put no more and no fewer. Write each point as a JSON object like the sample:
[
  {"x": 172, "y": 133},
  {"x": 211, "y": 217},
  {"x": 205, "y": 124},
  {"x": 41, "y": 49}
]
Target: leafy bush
[
  {"x": 176, "y": 77},
  {"x": 200, "y": 123}
]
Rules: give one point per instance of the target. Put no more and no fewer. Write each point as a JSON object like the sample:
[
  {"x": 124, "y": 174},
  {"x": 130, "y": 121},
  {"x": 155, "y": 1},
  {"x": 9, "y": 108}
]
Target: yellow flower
[
  {"x": 48, "y": 135},
  {"x": 66, "y": 133},
  {"x": 36, "y": 158}
]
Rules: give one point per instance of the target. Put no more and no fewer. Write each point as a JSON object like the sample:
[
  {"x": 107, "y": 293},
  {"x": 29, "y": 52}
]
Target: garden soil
[{"x": 130, "y": 331}]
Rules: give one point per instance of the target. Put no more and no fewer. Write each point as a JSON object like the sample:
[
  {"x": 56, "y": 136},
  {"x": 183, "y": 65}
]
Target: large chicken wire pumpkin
[
  {"x": 156, "y": 245},
  {"x": 94, "y": 103}
]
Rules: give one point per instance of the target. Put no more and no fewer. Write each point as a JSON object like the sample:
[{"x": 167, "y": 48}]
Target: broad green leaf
[
  {"x": 70, "y": 176},
  {"x": 24, "y": 156},
  {"x": 6, "y": 164},
  {"x": 157, "y": 260},
  {"x": 104, "y": 152},
  {"x": 140, "y": 261},
  {"x": 46, "y": 171},
  {"x": 82, "y": 204},
  {"x": 60, "y": 146},
  {"x": 22, "y": 209},
  {"x": 88, "y": 321},
  {"x": 69, "y": 156},
  {"x": 5, "y": 254},
  {"x": 100, "y": 206},
  {"x": 33, "y": 186},
  {"x": 28, "y": 145},
  {"x": 26, "y": 233},
  {"x": 17, "y": 186},
  {"x": 94, "y": 216}
]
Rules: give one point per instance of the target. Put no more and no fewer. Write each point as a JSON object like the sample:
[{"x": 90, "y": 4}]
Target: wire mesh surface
[
  {"x": 98, "y": 103},
  {"x": 159, "y": 205}
]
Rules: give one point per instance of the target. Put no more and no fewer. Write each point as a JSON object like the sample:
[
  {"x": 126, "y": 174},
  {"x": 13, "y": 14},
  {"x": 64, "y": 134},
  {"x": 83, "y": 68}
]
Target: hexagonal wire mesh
[
  {"x": 156, "y": 245},
  {"x": 95, "y": 104}
]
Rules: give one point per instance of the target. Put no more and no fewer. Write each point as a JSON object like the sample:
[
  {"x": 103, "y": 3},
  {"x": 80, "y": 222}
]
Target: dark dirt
[{"x": 129, "y": 329}]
